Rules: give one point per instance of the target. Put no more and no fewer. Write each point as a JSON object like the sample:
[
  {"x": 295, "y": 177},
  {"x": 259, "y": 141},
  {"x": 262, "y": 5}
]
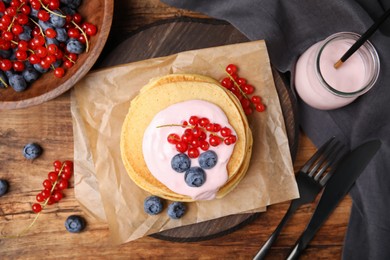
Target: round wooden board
[
  {"x": 173, "y": 36},
  {"x": 47, "y": 87}
]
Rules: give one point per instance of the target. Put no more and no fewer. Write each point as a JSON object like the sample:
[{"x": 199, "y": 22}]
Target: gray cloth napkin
[{"x": 289, "y": 28}]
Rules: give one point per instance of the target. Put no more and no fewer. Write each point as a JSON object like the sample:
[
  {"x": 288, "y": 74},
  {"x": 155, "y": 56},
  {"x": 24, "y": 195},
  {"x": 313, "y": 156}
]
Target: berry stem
[
  {"x": 50, "y": 11},
  {"x": 236, "y": 84},
  {"x": 4, "y": 83},
  {"x": 85, "y": 36}
]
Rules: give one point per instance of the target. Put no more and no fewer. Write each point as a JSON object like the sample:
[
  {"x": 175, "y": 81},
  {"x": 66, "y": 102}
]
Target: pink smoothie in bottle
[{"x": 322, "y": 86}]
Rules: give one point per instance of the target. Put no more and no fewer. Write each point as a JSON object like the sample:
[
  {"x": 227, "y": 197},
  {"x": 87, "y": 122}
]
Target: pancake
[{"x": 159, "y": 94}]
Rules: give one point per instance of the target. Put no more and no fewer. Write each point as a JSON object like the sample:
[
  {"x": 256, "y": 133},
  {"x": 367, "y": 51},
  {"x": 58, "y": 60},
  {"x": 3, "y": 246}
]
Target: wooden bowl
[{"x": 47, "y": 87}]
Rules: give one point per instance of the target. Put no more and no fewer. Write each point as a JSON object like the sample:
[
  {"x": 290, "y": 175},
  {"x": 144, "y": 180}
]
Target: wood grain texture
[
  {"x": 98, "y": 12},
  {"x": 50, "y": 124}
]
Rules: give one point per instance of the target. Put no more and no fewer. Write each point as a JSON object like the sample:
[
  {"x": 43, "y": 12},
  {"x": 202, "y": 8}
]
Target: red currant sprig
[
  {"x": 241, "y": 89},
  {"x": 56, "y": 182},
  {"x": 199, "y": 135}
]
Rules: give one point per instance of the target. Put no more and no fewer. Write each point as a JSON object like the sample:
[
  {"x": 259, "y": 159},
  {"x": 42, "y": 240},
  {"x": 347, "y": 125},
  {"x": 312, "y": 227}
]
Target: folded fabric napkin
[{"x": 289, "y": 27}]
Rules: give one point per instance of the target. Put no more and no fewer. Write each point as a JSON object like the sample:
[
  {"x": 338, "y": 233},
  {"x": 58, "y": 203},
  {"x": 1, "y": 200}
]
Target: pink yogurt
[
  {"x": 322, "y": 86},
  {"x": 158, "y": 152}
]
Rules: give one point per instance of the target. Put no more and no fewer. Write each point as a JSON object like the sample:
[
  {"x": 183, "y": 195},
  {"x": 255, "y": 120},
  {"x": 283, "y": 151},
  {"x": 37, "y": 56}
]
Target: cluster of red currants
[
  {"x": 200, "y": 133},
  {"x": 241, "y": 89},
  {"x": 56, "y": 182},
  {"x": 42, "y": 35}
]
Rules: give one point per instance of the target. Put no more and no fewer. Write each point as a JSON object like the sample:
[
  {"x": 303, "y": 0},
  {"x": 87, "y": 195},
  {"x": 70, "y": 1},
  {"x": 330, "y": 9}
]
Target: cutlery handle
[
  {"x": 295, "y": 252},
  {"x": 266, "y": 247}
]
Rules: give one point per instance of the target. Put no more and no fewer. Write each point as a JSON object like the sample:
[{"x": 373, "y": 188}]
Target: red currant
[
  {"x": 227, "y": 83},
  {"x": 204, "y": 121},
  {"x": 214, "y": 140},
  {"x": 193, "y": 120},
  {"x": 62, "y": 184},
  {"x": 43, "y": 15},
  {"x": 248, "y": 89},
  {"x": 256, "y": 99},
  {"x": 204, "y": 145},
  {"x": 90, "y": 29},
  {"x": 36, "y": 207},
  {"x": 59, "y": 72},
  {"x": 181, "y": 147},
  {"x": 39, "y": 197},
  {"x": 47, "y": 184},
  {"x": 52, "y": 176},
  {"x": 225, "y": 131},
  {"x": 57, "y": 195},
  {"x": 260, "y": 107},
  {"x": 45, "y": 193},
  {"x": 193, "y": 153},
  {"x": 173, "y": 138},
  {"x": 231, "y": 69}
]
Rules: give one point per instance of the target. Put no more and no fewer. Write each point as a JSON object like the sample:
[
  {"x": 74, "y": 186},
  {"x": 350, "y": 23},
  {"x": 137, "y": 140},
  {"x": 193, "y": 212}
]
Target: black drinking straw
[{"x": 362, "y": 39}]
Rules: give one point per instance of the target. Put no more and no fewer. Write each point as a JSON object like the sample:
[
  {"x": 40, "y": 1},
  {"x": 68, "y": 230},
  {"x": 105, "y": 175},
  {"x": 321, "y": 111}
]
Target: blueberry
[
  {"x": 30, "y": 74},
  {"x": 57, "y": 63},
  {"x": 5, "y": 54},
  {"x": 39, "y": 68},
  {"x": 176, "y": 210},
  {"x": 180, "y": 162},
  {"x": 3, "y": 187},
  {"x": 26, "y": 34},
  {"x": 71, "y": 3},
  {"x": 195, "y": 177},
  {"x": 34, "y": 13},
  {"x": 52, "y": 41},
  {"x": 57, "y": 21},
  {"x": 62, "y": 35},
  {"x": 32, "y": 151},
  {"x": 153, "y": 205},
  {"x": 74, "y": 46},
  {"x": 208, "y": 159},
  {"x": 67, "y": 10},
  {"x": 45, "y": 25},
  {"x": 17, "y": 82},
  {"x": 75, "y": 224}
]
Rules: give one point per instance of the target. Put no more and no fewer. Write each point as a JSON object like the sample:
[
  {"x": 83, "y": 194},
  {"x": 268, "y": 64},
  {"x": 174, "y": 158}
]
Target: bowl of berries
[{"x": 46, "y": 46}]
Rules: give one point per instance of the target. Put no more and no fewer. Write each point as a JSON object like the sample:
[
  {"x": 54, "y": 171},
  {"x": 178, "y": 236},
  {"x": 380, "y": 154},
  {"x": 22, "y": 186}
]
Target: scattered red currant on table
[
  {"x": 199, "y": 135},
  {"x": 241, "y": 89},
  {"x": 57, "y": 181}
]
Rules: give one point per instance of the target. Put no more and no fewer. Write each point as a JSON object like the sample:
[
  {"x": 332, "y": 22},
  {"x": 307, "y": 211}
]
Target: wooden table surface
[{"x": 50, "y": 125}]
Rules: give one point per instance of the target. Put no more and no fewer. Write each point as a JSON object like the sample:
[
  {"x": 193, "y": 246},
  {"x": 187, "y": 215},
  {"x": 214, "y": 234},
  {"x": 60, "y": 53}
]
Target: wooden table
[{"x": 50, "y": 124}]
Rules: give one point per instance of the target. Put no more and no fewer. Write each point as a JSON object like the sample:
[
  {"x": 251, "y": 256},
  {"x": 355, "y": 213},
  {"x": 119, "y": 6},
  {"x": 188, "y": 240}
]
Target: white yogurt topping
[{"x": 158, "y": 152}]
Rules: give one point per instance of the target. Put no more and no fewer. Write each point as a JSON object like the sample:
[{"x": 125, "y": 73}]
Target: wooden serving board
[{"x": 173, "y": 36}]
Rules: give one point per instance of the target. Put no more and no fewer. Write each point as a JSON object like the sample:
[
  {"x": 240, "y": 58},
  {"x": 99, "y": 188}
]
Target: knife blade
[{"x": 345, "y": 175}]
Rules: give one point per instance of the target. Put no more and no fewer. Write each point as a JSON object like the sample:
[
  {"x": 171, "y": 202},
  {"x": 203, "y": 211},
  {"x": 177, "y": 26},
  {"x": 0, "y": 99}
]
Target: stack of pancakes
[{"x": 159, "y": 94}]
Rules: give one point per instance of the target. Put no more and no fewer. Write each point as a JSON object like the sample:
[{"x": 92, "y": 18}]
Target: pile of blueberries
[
  {"x": 194, "y": 177},
  {"x": 19, "y": 71}
]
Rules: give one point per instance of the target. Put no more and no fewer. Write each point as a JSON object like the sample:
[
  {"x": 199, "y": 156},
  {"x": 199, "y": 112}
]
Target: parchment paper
[{"x": 99, "y": 105}]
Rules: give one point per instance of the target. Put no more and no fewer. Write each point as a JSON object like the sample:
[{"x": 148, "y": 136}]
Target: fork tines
[{"x": 326, "y": 157}]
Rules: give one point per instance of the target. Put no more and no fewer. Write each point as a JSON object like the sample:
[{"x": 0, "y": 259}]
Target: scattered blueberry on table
[
  {"x": 75, "y": 224},
  {"x": 153, "y": 205},
  {"x": 32, "y": 151},
  {"x": 3, "y": 187},
  {"x": 176, "y": 210}
]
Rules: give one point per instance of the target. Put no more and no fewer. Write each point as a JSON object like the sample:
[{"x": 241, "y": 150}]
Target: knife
[{"x": 347, "y": 171}]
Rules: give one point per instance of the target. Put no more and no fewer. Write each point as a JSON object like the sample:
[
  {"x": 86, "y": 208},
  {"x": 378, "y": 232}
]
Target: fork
[{"x": 309, "y": 183}]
